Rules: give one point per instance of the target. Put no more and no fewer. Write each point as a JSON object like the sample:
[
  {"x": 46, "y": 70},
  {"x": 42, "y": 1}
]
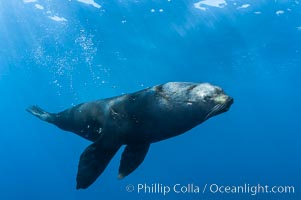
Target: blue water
[{"x": 57, "y": 54}]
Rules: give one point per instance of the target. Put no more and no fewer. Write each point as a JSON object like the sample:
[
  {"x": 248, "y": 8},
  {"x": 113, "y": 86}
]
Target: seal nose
[
  {"x": 228, "y": 103},
  {"x": 230, "y": 100},
  {"x": 221, "y": 99}
]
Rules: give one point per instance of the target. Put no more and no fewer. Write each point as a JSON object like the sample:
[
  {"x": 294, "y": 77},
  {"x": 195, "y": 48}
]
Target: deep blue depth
[{"x": 68, "y": 52}]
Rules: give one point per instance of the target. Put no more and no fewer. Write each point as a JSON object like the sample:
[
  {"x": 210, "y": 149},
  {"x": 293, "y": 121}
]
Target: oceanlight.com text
[{"x": 251, "y": 189}]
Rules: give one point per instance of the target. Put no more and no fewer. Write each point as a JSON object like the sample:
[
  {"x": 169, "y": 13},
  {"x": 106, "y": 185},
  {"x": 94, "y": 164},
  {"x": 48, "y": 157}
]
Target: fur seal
[{"x": 135, "y": 120}]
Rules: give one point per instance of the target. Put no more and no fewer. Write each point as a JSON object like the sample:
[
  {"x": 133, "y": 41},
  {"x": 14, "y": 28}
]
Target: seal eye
[
  {"x": 207, "y": 98},
  {"x": 218, "y": 90}
]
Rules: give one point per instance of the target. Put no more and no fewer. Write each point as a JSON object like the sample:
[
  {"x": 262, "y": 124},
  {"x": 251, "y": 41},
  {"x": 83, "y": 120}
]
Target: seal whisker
[
  {"x": 215, "y": 109},
  {"x": 212, "y": 111}
]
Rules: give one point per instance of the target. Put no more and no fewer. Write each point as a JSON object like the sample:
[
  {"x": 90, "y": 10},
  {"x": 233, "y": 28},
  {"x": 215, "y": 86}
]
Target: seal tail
[{"x": 40, "y": 113}]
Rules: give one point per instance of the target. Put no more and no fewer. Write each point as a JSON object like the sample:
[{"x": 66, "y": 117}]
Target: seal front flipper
[
  {"x": 132, "y": 157},
  {"x": 94, "y": 160}
]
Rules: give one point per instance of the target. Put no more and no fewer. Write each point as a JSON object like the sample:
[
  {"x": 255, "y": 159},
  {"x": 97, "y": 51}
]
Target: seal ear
[
  {"x": 93, "y": 161},
  {"x": 132, "y": 157}
]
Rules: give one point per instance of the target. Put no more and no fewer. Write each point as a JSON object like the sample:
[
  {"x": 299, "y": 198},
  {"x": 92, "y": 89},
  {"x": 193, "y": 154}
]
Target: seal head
[{"x": 205, "y": 99}]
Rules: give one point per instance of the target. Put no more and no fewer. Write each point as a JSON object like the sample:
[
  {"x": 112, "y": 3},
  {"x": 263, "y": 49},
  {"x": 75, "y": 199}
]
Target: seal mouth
[
  {"x": 229, "y": 102},
  {"x": 220, "y": 108}
]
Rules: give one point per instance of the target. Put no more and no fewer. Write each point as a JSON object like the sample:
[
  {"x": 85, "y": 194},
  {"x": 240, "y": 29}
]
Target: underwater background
[{"x": 59, "y": 53}]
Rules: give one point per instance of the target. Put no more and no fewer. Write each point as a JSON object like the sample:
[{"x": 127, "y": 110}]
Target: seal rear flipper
[
  {"x": 93, "y": 161},
  {"x": 132, "y": 157},
  {"x": 40, "y": 113}
]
